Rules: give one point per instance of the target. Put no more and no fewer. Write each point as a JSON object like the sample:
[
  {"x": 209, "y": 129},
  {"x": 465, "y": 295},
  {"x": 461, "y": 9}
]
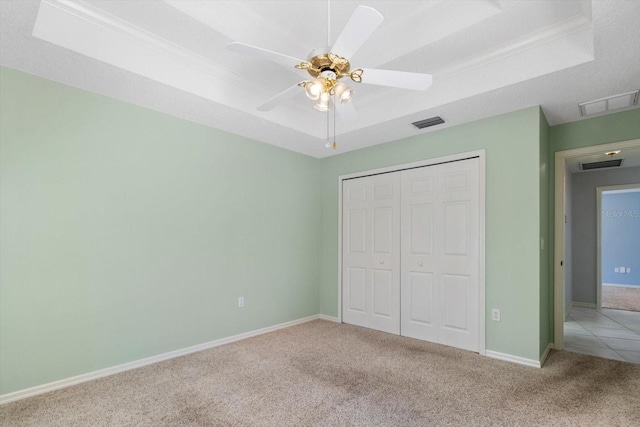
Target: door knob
[
  {"x": 381, "y": 262},
  {"x": 420, "y": 264}
]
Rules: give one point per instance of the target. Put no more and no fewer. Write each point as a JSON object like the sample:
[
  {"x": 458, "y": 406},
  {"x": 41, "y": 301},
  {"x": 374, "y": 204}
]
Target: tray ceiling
[{"x": 487, "y": 57}]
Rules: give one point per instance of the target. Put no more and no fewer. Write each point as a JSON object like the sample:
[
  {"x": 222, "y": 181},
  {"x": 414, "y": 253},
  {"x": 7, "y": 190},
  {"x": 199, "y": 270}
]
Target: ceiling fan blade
[
  {"x": 278, "y": 58},
  {"x": 359, "y": 28},
  {"x": 280, "y": 98},
  {"x": 400, "y": 79},
  {"x": 347, "y": 112}
]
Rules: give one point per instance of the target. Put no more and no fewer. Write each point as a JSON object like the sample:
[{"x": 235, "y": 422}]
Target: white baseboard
[
  {"x": 514, "y": 359},
  {"x": 329, "y": 318},
  {"x": 583, "y": 304},
  {"x": 67, "y": 382}
]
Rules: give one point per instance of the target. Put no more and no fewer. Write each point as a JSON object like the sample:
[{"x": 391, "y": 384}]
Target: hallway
[{"x": 612, "y": 334}]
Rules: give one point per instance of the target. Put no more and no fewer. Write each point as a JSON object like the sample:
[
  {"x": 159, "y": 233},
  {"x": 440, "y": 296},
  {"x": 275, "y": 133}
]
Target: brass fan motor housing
[
  {"x": 341, "y": 67},
  {"x": 329, "y": 61}
]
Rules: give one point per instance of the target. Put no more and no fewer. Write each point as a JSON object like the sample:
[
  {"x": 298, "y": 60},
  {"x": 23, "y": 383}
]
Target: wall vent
[
  {"x": 421, "y": 124},
  {"x": 600, "y": 165}
]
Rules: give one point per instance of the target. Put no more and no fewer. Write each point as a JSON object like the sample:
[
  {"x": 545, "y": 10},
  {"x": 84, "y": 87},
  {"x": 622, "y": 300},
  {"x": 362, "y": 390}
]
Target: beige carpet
[
  {"x": 621, "y": 297},
  {"x": 327, "y": 374}
]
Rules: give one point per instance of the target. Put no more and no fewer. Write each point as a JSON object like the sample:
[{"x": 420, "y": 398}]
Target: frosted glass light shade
[
  {"x": 343, "y": 92},
  {"x": 323, "y": 102},
  {"x": 314, "y": 89}
]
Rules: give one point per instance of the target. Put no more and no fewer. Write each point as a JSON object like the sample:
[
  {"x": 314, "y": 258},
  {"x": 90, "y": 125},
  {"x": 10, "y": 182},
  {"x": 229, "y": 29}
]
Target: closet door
[
  {"x": 371, "y": 252},
  {"x": 440, "y": 253}
]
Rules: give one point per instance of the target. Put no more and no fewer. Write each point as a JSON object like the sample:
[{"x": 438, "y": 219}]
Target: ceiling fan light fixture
[
  {"x": 323, "y": 102},
  {"x": 343, "y": 92},
  {"x": 314, "y": 89},
  {"x": 320, "y": 106},
  {"x": 326, "y": 68}
]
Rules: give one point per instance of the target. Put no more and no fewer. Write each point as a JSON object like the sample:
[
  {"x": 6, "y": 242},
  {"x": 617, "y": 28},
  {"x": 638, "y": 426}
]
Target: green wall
[
  {"x": 513, "y": 217},
  {"x": 126, "y": 233},
  {"x": 599, "y": 130}
]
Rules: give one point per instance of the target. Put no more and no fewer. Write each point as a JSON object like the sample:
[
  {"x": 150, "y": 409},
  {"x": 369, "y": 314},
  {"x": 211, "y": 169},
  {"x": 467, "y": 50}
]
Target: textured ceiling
[{"x": 487, "y": 57}]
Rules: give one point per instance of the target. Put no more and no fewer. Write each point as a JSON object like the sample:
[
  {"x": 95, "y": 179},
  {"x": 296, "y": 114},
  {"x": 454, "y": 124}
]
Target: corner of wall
[{"x": 546, "y": 294}]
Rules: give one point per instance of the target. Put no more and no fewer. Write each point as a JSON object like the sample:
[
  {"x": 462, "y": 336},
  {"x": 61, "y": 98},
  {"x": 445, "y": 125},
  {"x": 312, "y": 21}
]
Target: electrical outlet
[
  {"x": 616, "y": 270},
  {"x": 628, "y": 270},
  {"x": 241, "y": 302},
  {"x": 495, "y": 314}
]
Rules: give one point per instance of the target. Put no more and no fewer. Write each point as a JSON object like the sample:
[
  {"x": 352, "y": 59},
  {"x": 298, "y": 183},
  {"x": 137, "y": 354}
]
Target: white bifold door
[
  {"x": 440, "y": 254},
  {"x": 371, "y": 254},
  {"x": 411, "y": 253}
]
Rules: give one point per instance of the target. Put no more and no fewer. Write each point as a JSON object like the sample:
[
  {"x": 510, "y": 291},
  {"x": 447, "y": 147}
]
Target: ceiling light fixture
[
  {"x": 612, "y": 153},
  {"x": 326, "y": 68}
]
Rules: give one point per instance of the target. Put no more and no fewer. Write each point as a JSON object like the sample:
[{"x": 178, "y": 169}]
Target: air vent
[
  {"x": 600, "y": 165},
  {"x": 437, "y": 120},
  {"x": 615, "y": 102}
]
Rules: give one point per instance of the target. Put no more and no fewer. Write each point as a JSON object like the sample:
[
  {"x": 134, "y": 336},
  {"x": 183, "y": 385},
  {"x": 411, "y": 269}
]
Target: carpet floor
[
  {"x": 327, "y": 374},
  {"x": 621, "y": 297}
]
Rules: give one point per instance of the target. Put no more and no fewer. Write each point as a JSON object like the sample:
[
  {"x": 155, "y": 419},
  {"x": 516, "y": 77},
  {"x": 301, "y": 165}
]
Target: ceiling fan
[{"x": 328, "y": 65}]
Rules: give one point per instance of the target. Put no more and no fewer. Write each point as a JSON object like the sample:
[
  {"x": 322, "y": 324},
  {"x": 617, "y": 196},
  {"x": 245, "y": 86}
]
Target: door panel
[
  {"x": 357, "y": 231},
  {"x": 456, "y": 228},
  {"x": 441, "y": 242},
  {"x": 357, "y": 194},
  {"x": 421, "y": 232},
  {"x": 371, "y": 218},
  {"x": 383, "y": 230},
  {"x": 382, "y": 292},
  {"x": 421, "y": 297},
  {"x": 356, "y": 289},
  {"x": 420, "y": 218},
  {"x": 383, "y": 191},
  {"x": 455, "y": 299}
]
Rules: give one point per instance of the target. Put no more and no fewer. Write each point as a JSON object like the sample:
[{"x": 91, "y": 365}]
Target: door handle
[
  {"x": 420, "y": 264},
  {"x": 381, "y": 262}
]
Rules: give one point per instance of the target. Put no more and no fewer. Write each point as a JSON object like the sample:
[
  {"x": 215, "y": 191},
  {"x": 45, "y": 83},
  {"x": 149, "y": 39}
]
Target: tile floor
[{"x": 612, "y": 334}]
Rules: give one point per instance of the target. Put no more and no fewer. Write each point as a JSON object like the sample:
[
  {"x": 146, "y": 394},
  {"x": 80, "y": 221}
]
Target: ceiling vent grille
[
  {"x": 615, "y": 102},
  {"x": 600, "y": 165},
  {"x": 421, "y": 124}
]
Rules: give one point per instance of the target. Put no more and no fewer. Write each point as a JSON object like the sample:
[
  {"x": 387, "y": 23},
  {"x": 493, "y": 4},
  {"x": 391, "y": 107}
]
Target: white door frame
[
  {"x": 599, "y": 191},
  {"x": 481, "y": 155},
  {"x": 559, "y": 227}
]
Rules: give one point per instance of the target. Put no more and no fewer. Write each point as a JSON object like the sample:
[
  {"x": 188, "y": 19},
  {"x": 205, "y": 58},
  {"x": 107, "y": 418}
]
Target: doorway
[
  {"x": 618, "y": 228},
  {"x": 604, "y": 330}
]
